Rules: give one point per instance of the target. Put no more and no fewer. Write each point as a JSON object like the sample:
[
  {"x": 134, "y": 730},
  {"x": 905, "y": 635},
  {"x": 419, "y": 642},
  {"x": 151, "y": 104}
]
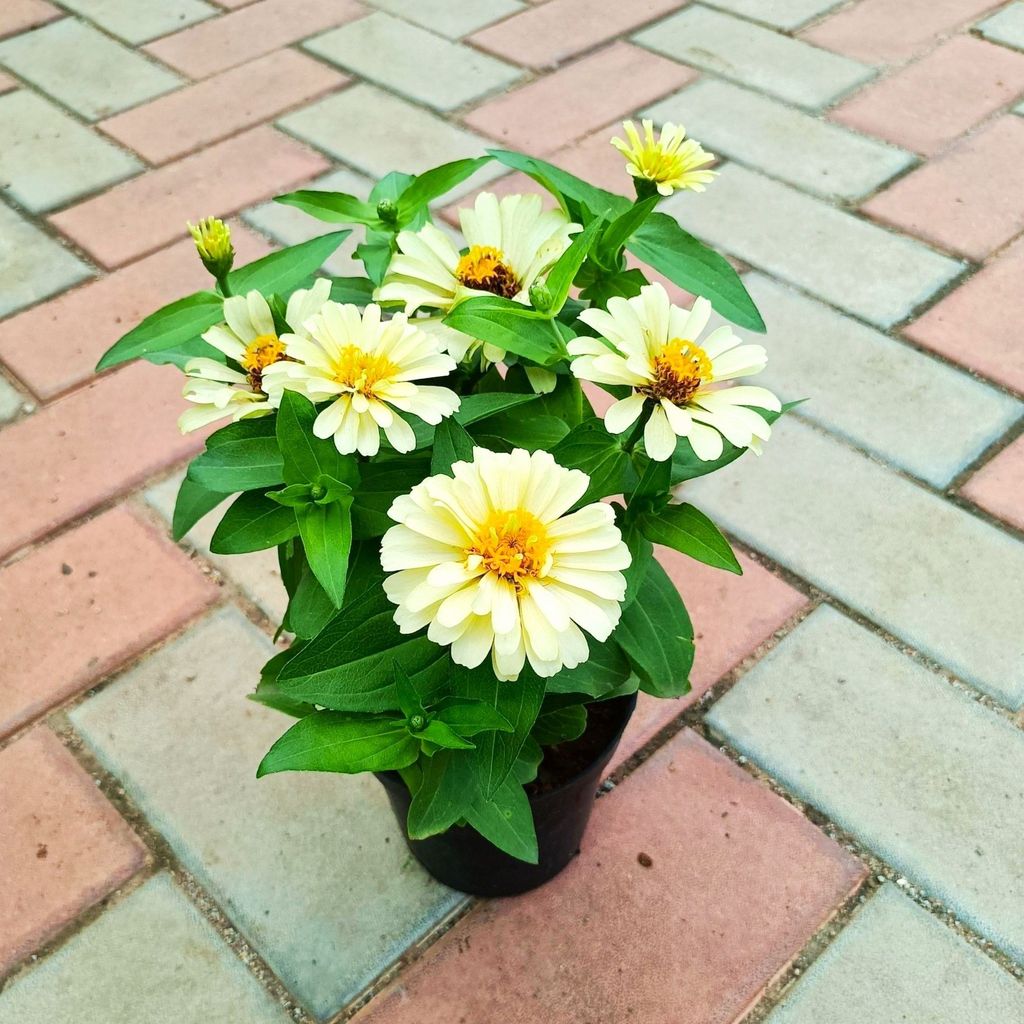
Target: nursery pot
[{"x": 463, "y": 859}]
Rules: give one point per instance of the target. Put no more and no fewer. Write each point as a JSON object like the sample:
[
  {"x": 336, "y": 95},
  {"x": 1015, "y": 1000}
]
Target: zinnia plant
[{"x": 466, "y": 544}]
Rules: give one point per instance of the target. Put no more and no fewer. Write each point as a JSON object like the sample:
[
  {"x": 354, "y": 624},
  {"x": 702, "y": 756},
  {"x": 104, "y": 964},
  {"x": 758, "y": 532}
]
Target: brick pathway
[{"x": 833, "y": 818}]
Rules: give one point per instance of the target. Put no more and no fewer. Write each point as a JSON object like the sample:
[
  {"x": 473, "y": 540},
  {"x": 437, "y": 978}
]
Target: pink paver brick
[
  {"x": 208, "y": 111},
  {"x": 55, "y": 346},
  {"x": 930, "y": 103},
  {"x": 881, "y": 31},
  {"x": 999, "y": 486},
  {"x": 554, "y": 110},
  {"x": 738, "y": 882},
  {"x": 544, "y": 36},
  {"x": 19, "y": 15},
  {"x": 968, "y": 200},
  {"x": 731, "y": 615},
  {"x": 7, "y": 83},
  {"x": 143, "y": 214},
  {"x": 76, "y": 608},
  {"x": 973, "y": 325},
  {"x": 63, "y": 847},
  {"x": 88, "y": 447},
  {"x": 250, "y": 32}
]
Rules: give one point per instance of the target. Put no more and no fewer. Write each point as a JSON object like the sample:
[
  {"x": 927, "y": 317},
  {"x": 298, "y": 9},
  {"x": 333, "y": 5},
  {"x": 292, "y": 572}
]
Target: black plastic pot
[{"x": 463, "y": 859}]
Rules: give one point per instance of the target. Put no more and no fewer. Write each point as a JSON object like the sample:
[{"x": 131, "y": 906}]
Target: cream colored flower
[
  {"x": 249, "y": 339},
  {"x": 651, "y": 346},
  {"x": 367, "y": 367},
  {"x": 671, "y": 161},
  {"x": 489, "y": 561},
  {"x": 511, "y": 243}
]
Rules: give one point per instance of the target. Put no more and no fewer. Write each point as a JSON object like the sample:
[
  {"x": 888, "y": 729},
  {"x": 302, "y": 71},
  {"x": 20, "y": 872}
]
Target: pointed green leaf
[
  {"x": 286, "y": 269},
  {"x": 592, "y": 450},
  {"x": 469, "y": 717},
  {"x": 252, "y": 523},
  {"x": 432, "y": 184},
  {"x": 442, "y": 735},
  {"x": 447, "y": 788},
  {"x": 193, "y": 502},
  {"x": 240, "y": 457},
  {"x": 451, "y": 444},
  {"x": 505, "y": 818},
  {"x": 333, "y": 207},
  {"x": 688, "y": 530},
  {"x": 560, "y": 277},
  {"x": 326, "y": 532},
  {"x": 510, "y": 326}
]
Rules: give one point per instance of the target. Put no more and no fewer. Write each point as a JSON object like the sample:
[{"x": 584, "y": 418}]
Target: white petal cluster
[
  {"x": 492, "y": 562},
  {"x": 651, "y": 346}
]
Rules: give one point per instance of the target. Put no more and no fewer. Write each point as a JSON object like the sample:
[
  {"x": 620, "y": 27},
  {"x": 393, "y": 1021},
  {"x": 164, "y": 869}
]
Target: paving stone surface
[
  {"x": 72, "y": 612},
  {"x": 50, "y": 158},
  {"x": 717, "y": 842},
  {"x": 84, "y": 69},
  {"x": 965, "y": 200},
  {"x": 895, "y": 962},
  {"x": 150, "y": 955},
  {"x": 138, "y": 22},
  {"x": 32, "y": 265},
  {"x": 786, "y": 14},
  {"x": 11, "y": 400},
  {"x": 881, "y": 544},
  {"x": 765, "y": 134},
  {"x": 141, "y": 215},
  {"x": 882, "y": 745},
  {"x": 222, "y": 105},
  {"x": 448, "y": 19},
  {"x": 877, "y": 393},
  {"x": 1006, "y": 26},
  {"x": 931, "y": 103},
  {"x": 755, "y": 56},
  {"x": 389, "y": 51},
  {"x": 291, "y": 858},
  {"x": 62, "y": 845},
  {"x": 872, "y": 273},
  {"x": 20, "y": 15},
  {"x": 999, "y": 486}
]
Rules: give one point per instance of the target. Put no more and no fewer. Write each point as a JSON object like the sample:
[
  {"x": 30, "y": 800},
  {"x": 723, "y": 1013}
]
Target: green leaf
[
  {"x": 622, "y": 228},
  {"x": 528, "y": 762},
  {"x": 268, "y": 693},
  {"x": 656, "y": 635},
  {"x": 240, "y": 457},
  {"x": 603, "y": 287},
  {"x": 641, "y": 552},
  {"x": 663, "y": 244},
  {"x": 451, "y": 444},
  {"x": 429, "y": 185},
  {"x": 286, "y": 269},
  {"x": 591, "y": 449},
  {"x": 442, "y": 735},
  {"x": 294, "y": 496},
  {"x": 331, "y": 741},
  {"x": 326, "y": 532},
  {"x": 307, "y": 457},
  {"x": 311, "y": 607},
  {"x": 469, "y": 717},
  {"x": 447, "y": 788},
  {"x": 605, "y": 669},
  {"x": 375, "y": 256},
  {"x": 510, "y": 326},
  {"x": 534, "y": 433},
  {"x": 506, "y": 820},
  {"x": 333, "y": 207},
  {"x": 473, "y": 409},
  {"x": 688, "y": 530},
  {"x": 655, "y": 480},
  {"x": 355, "y": 290},
  {"x": 560, "y": 725},
  {"x": 381, "y": 483},
  {"x": 252, "y": 523},
  {"x": 561, "y": 276},
  {"x": 193, "y": 502},
  {"x": 168, "y": 327},
  {"x": 181, "y": 355},
  {"x": 409, "y": 700}
]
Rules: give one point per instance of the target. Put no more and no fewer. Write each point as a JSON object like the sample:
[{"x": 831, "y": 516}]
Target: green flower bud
[
  {"x": 317, "y": 491},
  {"x": 387, "y": 211},
  {"x": 540, "y": 296},
  {"x": 417, "y": 723}
]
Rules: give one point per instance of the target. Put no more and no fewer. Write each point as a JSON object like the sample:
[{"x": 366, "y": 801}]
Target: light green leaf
[
  {"x": 469, "y": 717},
  {"x": 240, "y": 457},
  {"x": 622, "y": 228},
  {"x": 510, "y": 326},
  {"x": 193, "y": 502},
  {"x": 286, "y": 269},
  {"x": 561, "y": 276},
  {"x": 326, "y": 532},
  {"x": 430, "y": 185},
  {"x": 506, "y": 820},
  {"x": 307, "y": 457},
  {"x": 252, "y": 523},
  {"x": 442, "y": 735},
  {"x": 688, "y": 530},
  {"x": 333, "y": 207},
  {"x": 447, "y": 788}
]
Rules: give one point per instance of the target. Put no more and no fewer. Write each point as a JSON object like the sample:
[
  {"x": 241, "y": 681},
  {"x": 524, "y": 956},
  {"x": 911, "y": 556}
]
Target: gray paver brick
[
  {"x": 886, "y": 397},
  {"x": 755, "y": 56},
  {"x": 136, "y": 21},
  {"x": 787, "y": 14},
  {"x": 84, "y": 69},
  {"x": 32, "y": 265},
  {"x": 375, "y": 132},
  {"x": 919, "y": 772},
  {"x": 894, "y": 962},
  {"x": 784, "y": 142},
  {"x": 858, "y": 266},
  {"x": 48, "y": 158},
  {"x": 151, "y": 958},
  {"x": 10, "y": 400},
  {"x": 927, "y": 571},
  {"x": 1005, "y": 26},
  {"x": 412, "y": 61},
  {"x": 311, "y": 867},
  {"x": 451, "y": 19}
]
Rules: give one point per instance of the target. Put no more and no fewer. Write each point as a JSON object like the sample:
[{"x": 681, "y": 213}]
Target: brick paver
[
  {"x": 143, "y": 214},
  {"x": 749, "y": 881},
  {"x": 138, "y": 22},
  {"x": 448, "y": 19},
  {"x": 999, "y": 487},
  {"x": 818, "y": 713},
  {"x": 787, "y": 14},
  {"x": 63, "y": 847},
  {"x": 19, "y": 15},
  {"x": 10, "y": 400},
  {"x": 1005, "y": 26}
]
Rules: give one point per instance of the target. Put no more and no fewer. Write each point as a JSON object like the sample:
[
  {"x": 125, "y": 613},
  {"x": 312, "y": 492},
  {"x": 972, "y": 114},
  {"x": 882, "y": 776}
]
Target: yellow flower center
[
  {"x": 679, "y": 369},
  {"x": 485, "y": 269},
  {"x": 514, "y": 545},
  {"x": 258, "y": 355},
  {"x": 362, "y": 371},
  {"x": 659, "y": 165}
]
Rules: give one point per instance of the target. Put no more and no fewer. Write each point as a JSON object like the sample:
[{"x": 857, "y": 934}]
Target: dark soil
[{"x": 564, "y": 761}]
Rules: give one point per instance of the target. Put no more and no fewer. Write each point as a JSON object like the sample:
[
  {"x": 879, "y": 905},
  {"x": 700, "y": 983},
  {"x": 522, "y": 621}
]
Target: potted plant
[{"x": 466, "y": 544}]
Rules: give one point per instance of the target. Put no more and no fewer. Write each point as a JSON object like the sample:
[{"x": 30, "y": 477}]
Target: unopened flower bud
[
  {"x": 540, "y": 296},
  {"x": 417, "y": 723},
  {"x": 387, "y": 211},
  {"x": 213, "y": 243}
]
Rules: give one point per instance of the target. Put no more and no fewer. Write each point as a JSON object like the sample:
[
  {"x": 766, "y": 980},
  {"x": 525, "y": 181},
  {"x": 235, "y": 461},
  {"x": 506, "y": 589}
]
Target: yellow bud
[{"x": 213, "y": 243}]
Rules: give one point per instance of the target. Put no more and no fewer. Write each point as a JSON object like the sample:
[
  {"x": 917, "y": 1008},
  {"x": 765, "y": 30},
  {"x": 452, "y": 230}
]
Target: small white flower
[
  {"x": 249, "y": 339},
  {"x": 367, "y": 367},
  {"x": 651, "y": 346},
  {"x": 489, "y": 561},
  {"x": 670, "y": 162}
]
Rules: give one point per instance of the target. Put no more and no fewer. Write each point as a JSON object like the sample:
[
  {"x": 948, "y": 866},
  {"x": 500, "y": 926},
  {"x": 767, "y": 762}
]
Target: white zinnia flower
[
  {"x": 511, "y": 241},
  {"x": 669, "y": 162},
  {"x": 367, "y": 366},
  {"x": 249, "y": 339},
  {"x": 490, "y": 563},
  {"x": 651, "y": 346}
]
